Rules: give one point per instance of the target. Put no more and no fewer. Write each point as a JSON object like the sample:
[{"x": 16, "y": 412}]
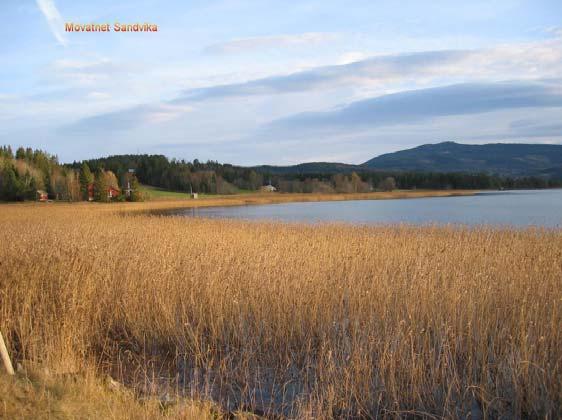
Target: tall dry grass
[{"x": 302, "y": 321}]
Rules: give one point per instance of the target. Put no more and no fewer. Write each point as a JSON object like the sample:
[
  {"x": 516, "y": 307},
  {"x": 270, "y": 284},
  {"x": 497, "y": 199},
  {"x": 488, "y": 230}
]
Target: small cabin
[
  {"x": 194, "y": 195},
  {"x": 42, "y": 196},
  {"x": 112, "y": 192},
  {"x": 268, "y": 188}
]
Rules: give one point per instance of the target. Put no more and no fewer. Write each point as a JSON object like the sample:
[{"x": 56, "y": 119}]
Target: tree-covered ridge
[
  {"x": 213, "y": 177},
  {"x": 514, "y": 160},
  {"x": 27, "y": 171},
  {"x": 209, "y": 177}
]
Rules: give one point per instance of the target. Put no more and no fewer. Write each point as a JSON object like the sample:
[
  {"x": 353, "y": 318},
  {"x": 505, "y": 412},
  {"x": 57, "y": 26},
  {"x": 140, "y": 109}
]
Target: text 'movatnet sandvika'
[{"x": 107, "y": 27}]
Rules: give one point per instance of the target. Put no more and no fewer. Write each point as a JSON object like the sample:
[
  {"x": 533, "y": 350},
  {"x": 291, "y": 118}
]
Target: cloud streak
[
  {"x": 376, "y": 69},
  {"x": 85, "y": 73},
  {"x": 533, "y": 60},
  {"x": 126, "y": 119},
  {"x": 267, "y": 42},
  {"x": 528, "y": 128},
  {"x": 54, "y": 19},
  {"x": 418, "y": 105}
]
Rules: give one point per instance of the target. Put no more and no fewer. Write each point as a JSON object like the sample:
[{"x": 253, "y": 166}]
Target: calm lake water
[{"x": 514, "y": 208}]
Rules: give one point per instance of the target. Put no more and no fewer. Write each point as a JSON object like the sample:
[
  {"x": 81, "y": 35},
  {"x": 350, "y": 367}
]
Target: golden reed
[{"x": 305, "y": 321}]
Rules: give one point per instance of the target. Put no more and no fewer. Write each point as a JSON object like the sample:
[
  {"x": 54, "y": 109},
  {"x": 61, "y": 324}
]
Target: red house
[
  {"x": 42, "y": 196},
  {"x": 112, "y": 192}
]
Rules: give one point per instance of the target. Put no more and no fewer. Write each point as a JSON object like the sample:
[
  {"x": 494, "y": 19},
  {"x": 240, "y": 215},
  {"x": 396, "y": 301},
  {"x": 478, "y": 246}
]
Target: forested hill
[
  {"x": 503, "y": 159},
  {"x": 310, "y": 168},
  {"x": 180, "y": 175}
]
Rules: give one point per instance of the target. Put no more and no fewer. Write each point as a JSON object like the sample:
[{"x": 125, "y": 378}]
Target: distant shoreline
[
  {"x": 280, "y": 198},
  {"x": 255, "y": 199}
]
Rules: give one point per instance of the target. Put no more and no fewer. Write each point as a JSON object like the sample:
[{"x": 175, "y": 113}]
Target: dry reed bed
[{"x": 307, "y": 321}]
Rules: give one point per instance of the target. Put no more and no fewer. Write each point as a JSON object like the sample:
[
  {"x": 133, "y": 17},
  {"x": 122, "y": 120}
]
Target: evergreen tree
[
  {"x": 11, "y": 189},
  {"x": 100, "y": 187},
  {"x": 28, "y": 186},
  {"x": 6, "y": 152},
  {"x": 20, "y": 153},
  {"x": 86, "y": 179},
  {"x": 48, "y": 184}
]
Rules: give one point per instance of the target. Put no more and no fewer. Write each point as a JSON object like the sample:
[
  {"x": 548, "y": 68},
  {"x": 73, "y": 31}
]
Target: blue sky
[{"x": 279, "y": 82}]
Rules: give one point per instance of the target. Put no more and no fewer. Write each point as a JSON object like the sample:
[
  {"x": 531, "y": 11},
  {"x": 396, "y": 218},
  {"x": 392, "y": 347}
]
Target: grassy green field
[
  {"x": 159, "y": 193},
  {"x": 155, "y": 193}
]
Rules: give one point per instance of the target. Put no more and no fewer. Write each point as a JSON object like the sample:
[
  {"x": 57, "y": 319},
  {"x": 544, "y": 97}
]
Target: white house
[{"x": 268, "y": 188}]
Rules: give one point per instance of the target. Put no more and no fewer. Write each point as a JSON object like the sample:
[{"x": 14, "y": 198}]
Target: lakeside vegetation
[
  {"x": 307, "y": 321},
  {"x": 215, "y": 178},
  {"x": 31, "y": 174}
]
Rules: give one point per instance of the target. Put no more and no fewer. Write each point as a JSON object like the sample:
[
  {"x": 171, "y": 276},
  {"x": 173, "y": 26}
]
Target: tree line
[
  {"x": 208, "y": 177},
  {"x": 358, "y": 181},
  {"x": 27, "y": 172},
  {"x": 212, "y": 177},
  {"x": 24, "y": 172}
]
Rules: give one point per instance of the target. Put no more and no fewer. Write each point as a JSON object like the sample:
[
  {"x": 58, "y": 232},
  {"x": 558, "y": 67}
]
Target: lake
[{"x": 500, "y": 208}]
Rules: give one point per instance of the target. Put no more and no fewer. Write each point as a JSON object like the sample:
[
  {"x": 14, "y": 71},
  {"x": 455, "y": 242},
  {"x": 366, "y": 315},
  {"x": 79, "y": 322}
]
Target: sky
[{"x": 278, "y": 82}]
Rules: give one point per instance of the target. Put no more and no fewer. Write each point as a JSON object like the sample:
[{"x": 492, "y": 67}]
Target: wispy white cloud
[
  {"x": 266, "y": 42},
  {"x": 423, "y": 104},
  {"x": 554, "y": 30},
  {"x": 83, "y": 65},
  {"x": 98, "y": 96},
  {"x": 127, "y": 119},
  {"x": 54, "y": 19},
  {"x": 516, "y": 61},
  {"x": 352, "y": 56},
  {"x": 374, "y": 70},
  {"x": 165, "y": 112},
  {"x": 91, "y": 72}
]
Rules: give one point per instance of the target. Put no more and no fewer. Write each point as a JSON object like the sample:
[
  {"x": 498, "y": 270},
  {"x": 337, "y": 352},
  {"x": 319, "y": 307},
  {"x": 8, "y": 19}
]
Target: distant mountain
[
  {"x": 514, "y": 160},
  {"x": 498, "y": 159},
  {"x": 310, "y": 168}
]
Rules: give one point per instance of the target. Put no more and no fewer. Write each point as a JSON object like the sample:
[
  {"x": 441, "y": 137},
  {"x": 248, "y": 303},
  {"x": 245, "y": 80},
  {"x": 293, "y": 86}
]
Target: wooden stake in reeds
[{"x": 5, "y": 356}]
